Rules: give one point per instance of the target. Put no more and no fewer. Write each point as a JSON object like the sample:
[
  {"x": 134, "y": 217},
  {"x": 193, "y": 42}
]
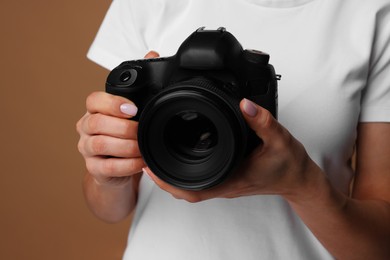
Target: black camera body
[{"x": 191, "y": 131}]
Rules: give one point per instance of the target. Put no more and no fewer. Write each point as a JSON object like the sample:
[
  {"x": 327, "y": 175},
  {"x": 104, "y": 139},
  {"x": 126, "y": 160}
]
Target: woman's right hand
[
  {"x": 108, "y": 143},
  {"x": 108, "y": 139}
]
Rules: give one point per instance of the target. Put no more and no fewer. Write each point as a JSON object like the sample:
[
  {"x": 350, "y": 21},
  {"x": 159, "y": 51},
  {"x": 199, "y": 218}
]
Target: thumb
[
  {"x": 152, "y": 54},
  {"x": 259, "y": 119}
]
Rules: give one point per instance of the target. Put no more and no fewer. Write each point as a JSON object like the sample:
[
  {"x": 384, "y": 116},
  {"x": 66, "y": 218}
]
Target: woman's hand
[
  {"x": 108, "y": 139},
  {"x": 280, "y": 165},
  {"x": 108, "y": 143}
]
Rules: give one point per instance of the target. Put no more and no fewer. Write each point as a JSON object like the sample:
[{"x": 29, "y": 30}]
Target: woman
[{"x": 292, "y": 198}]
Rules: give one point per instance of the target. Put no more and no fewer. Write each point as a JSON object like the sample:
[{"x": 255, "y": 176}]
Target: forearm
[
  {"x": 348, "y": 228},
  {"x": 111, "y": 203}
]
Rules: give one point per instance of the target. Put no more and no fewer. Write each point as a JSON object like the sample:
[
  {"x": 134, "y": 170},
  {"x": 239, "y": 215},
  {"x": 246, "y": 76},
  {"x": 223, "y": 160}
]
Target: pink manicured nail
[
  {"x": 250, "y": 108},
  {"x": 128, "y": 109}
]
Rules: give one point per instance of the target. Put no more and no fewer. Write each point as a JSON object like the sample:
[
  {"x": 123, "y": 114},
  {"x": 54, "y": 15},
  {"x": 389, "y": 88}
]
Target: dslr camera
[{"x": 191, "y": 132}]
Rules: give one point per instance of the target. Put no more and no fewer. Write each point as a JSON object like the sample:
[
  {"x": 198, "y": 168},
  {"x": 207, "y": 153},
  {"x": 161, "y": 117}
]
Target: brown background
[{"x": 45, "y": 78}]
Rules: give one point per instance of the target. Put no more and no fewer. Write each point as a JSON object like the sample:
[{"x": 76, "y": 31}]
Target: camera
[{"x": 191, "y": 132}]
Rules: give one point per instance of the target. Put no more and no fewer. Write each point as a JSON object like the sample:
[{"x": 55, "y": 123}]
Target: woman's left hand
[{"x": 280, "y": 165}]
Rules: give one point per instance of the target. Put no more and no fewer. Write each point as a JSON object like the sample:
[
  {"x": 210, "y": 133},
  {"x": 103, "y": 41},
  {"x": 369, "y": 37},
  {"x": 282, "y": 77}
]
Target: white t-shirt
[{"x": 334, "y": 58}]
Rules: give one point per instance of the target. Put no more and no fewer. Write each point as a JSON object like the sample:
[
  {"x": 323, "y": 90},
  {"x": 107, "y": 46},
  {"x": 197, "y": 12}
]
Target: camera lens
[{"x": 190, "y": 136}]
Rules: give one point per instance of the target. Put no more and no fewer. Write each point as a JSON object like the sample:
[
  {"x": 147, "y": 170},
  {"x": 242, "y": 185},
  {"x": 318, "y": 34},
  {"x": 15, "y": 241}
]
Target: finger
[
  {"x": 190, "y": 196},
  {"x": 225, "y": 190},
  {"x": 260, "y": 120},
  {"x": 101, "y": 145},
  {"x": 152, "y": 54},
  {"x": 163, "y": 185},
  {"x": 114, "y": 167},
  {"x": 105, "y": 103},
  {"x": 99, "y": 124}
]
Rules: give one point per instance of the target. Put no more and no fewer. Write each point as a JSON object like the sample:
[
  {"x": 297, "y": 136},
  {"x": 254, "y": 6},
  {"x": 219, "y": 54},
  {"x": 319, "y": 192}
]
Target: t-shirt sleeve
[
  {"x": 119, "y": 37},
  {"x": 375, "y": 105}
]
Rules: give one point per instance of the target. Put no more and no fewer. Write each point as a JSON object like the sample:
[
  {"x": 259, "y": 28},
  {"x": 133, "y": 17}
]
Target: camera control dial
[{"x": 256, "y": 56}]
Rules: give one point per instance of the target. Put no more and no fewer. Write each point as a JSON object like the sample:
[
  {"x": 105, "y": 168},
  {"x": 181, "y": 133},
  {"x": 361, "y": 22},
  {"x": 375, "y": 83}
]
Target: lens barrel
[{"x": 192, "y": 135}]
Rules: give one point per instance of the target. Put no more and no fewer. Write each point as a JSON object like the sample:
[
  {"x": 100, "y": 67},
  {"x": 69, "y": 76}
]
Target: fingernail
[
  {"x": 128, "y": 109},
  {"x": 249, "y": 108}
]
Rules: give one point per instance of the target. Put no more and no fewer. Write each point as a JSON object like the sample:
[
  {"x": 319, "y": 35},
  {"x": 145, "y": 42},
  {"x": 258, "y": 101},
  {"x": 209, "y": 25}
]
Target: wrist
[
  {"x": 109, "y": 202},
  {"x": 111, "y": 182},
  {"x": 315, "y": 190}
]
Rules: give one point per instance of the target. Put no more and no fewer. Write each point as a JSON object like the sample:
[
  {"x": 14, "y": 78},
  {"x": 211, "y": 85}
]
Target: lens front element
[{"x": 190, "y": 136}]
